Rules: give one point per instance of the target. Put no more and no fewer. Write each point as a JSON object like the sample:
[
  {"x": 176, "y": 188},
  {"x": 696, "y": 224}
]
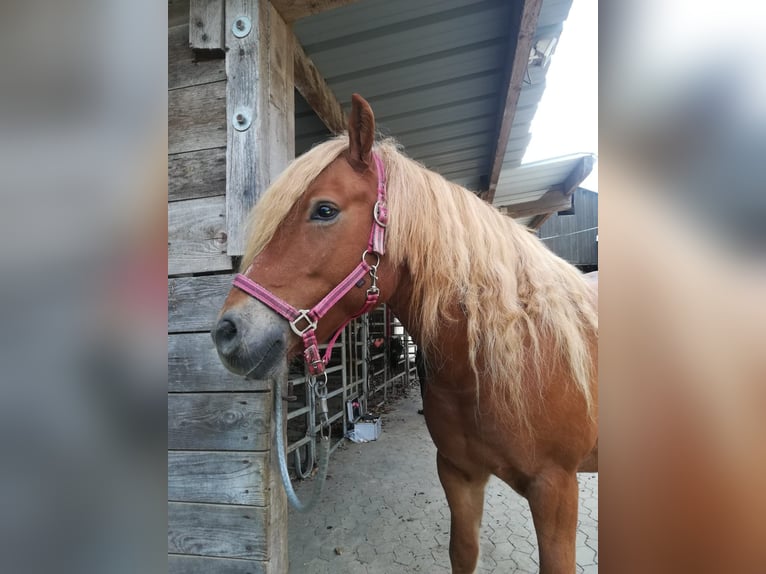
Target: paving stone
[
  {"x": 592, "y": 544},
  {"x": 507, "y": 565},
  {"x": 385, "y": 526},
  {"x": 365, "y": 552},
  {"x": 403, "y": 556},
  {"x": 585, "y": 555},
  {"x": 521, "y": 544},
  {"x": 524, "y": 562}
]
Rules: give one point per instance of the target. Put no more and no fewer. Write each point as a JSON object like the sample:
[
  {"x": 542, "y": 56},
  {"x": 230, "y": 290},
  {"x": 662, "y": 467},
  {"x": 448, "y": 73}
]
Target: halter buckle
[{"x": 302, "y": 314}]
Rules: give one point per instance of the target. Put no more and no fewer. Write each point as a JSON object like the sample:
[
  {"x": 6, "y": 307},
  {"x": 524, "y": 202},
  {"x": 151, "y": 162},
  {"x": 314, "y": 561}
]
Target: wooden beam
[
  {"x": 314, "y": 89},
  {"x": 527, "y": 28},
  {"x": 259, "y": 109},
  {"x": 292, "y": 10},
  {"x": 552, "y": 200},
  {"x": 538, "y": 220},
  {"x": 206, "y": 24}
]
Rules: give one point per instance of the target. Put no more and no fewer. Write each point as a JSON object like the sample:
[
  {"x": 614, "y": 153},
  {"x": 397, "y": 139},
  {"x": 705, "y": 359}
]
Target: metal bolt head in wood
[
  {"x": 241, "y": 27},
  {"x": 241, "y": 120}
]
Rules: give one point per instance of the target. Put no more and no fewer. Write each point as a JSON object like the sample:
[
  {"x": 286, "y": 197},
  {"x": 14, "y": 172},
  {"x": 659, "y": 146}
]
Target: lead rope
[
  {"x": 316, "y": 364},
  {"x": 318, "y": 390}
]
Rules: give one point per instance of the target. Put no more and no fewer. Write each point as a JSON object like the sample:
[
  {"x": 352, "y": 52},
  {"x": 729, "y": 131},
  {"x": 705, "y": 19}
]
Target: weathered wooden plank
[
  {"x": 197, "y": 236},
  {"x": 178, "y": 12},
  {"x": 216, "y": 530},
  {"x": 194, "y": 302},
  {"x": 206, "y": 24},
  {"x": 180, "y": 564},
  {"x": 187, "y": 67},
  {"x": 247, "y": 62},
  {"x": 194, "y": 366},
  {"x": 292, "y": 10},
  {"x": 315, "y": 90},
  {"x": 523, "y": 43},
  {"x": 218, "y": 477},
  {"x": 219, "y": 421},
  {"x": 196, "y": 174},
  {"x": 197, "y": 117},
  {"x": 259, "y": 91}
]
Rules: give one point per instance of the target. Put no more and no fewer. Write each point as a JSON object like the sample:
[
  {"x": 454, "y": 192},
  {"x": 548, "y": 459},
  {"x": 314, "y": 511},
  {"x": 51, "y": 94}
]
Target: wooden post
[
  {"x": 259, "y": 105},
  {"x": 260, "y": 143},
  {"x": 227, "y": 510}
]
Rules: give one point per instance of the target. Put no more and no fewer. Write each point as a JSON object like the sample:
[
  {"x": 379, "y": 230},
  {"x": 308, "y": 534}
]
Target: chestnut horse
[{"x": 509, "y": 329}]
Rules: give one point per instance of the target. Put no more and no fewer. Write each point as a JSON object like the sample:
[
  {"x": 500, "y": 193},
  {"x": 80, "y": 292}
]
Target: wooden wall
[
  {"x": 573, "y": 237},
  {"x": 225, "y": 510}
]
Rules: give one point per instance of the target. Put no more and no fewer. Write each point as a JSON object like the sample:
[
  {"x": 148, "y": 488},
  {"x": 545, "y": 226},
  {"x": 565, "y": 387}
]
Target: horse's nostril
[{"x": 225, "y": 333}]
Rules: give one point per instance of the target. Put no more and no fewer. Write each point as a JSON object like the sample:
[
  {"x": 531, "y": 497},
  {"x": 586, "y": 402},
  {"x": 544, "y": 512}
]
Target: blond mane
[{"x": 465, "y": 259}]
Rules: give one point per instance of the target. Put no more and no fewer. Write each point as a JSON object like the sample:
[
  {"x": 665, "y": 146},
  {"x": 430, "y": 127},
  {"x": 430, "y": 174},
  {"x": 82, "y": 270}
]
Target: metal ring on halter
[
  {"x": 377, "y": 258},
  {"x": 321, "y": 385},
  {"x": 376, "y": 214}
]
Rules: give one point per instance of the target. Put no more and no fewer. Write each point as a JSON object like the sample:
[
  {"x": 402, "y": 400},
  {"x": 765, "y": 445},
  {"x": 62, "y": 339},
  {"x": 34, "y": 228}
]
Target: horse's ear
[{"x": 361, "y": 132}]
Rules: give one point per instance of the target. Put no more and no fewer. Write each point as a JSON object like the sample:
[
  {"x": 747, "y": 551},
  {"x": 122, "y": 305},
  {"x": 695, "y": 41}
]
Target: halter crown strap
[{"x": 304, "y": 322}]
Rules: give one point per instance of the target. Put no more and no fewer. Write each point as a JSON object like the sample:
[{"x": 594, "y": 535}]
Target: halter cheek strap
[{"x": 304, "y": 322}]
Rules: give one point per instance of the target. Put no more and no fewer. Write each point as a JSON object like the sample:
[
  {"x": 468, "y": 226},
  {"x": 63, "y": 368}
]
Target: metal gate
[{"x": 373, "y": 359}]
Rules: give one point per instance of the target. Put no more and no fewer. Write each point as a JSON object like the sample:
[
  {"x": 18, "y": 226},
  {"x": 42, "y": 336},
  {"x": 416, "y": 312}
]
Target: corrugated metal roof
[
  {"x": 531, "y": 180},
  {"x": 434, "y": 72}
]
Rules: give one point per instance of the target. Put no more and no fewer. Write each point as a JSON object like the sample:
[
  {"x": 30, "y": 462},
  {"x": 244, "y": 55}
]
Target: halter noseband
[{"x": 303, "y": 322}]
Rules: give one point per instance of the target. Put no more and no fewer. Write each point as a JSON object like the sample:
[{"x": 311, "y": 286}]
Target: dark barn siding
[{"x": 573, "y": 237}]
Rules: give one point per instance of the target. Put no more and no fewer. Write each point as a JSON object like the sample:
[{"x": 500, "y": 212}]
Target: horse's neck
[{"x": 449, "y": 359}]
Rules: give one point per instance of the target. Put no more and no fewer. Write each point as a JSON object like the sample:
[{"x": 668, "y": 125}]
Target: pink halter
[{"x": 310, "y": 317}]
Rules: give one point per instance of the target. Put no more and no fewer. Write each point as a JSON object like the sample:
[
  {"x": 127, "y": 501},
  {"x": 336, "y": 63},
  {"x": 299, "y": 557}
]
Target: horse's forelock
[{"x": 289, "y": 187}]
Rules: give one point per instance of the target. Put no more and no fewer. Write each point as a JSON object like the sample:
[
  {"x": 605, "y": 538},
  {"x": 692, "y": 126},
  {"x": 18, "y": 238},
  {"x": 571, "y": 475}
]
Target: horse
[{"x": 509, "y": 329}]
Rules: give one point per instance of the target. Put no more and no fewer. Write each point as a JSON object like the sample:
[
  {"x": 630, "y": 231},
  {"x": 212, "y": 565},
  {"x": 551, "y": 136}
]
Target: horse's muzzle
[{"x": 254, "y": 349}]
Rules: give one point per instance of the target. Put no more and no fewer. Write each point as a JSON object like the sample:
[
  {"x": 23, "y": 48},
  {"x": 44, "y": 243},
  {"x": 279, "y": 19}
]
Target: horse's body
[{"x": 509, "y": 333}]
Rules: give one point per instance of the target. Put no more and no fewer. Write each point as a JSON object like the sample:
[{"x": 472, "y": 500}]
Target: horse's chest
[{"x": 463, "y": 433}]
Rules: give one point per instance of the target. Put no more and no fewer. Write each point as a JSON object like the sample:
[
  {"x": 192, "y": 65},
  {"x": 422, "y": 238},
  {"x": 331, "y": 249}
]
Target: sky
[{"x": 566, "y": 120}]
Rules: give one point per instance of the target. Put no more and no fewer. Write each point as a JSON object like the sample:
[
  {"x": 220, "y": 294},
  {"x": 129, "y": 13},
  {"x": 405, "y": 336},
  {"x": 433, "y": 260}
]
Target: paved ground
[{"x": 384, "y": 512}]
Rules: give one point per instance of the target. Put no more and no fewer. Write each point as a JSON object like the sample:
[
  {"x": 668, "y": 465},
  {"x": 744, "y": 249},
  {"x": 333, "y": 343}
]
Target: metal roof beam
[{"x": 527, "y": 28}]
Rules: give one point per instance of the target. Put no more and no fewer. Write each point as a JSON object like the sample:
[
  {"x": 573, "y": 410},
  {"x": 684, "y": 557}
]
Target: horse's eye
[{"x": 324, "y": 212}]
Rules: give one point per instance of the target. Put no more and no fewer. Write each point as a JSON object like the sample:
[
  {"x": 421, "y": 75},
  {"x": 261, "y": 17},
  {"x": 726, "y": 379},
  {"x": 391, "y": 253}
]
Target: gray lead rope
[{"x": 324, "y": 447}]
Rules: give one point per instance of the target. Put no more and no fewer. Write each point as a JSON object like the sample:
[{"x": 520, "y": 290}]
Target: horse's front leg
[
  {"x": 552, "y": 497},
  {"x": 465, "y": 496}
]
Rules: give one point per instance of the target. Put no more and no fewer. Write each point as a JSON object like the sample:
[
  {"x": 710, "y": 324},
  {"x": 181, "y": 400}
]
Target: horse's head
[{"x": 313, "y": 248}]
